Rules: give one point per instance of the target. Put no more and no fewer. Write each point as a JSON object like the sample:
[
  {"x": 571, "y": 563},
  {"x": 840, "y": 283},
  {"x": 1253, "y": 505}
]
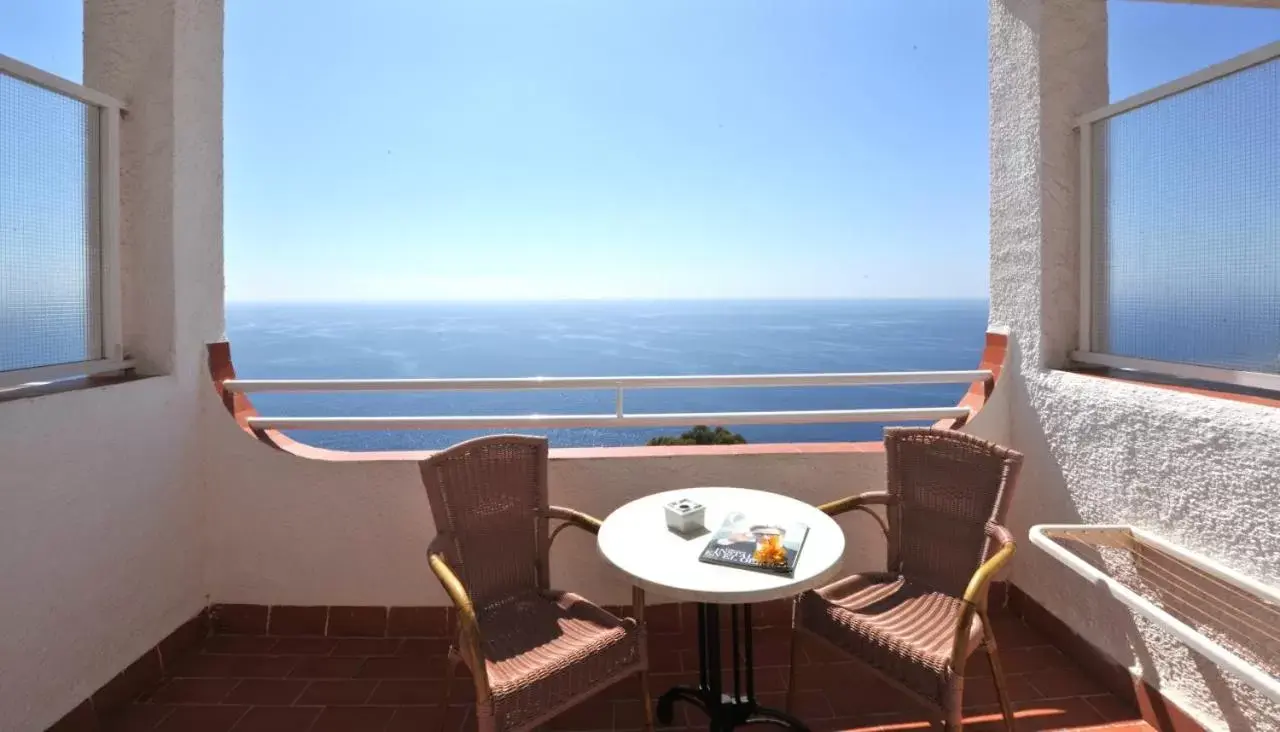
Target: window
[
  {"x": 1181, "y": 227},
  {"x": 59, "y": 281}
]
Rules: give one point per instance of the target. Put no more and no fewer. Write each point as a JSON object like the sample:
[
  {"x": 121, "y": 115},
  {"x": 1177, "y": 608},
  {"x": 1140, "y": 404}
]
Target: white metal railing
[
  {"x": 1232, "y": 602},
  {"x": 619, "y": 384},
  {"x": 1172, "y": 142},
  {"x": 102, "y": 180}
]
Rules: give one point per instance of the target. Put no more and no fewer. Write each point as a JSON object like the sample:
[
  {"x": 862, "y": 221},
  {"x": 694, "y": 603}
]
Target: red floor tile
[
  {"x": 1111, "y": 708},
  {"x": 865, "y": 702},
  {"x": 266, "y": 692},
  {"x": 304, "y": 646},
  {"x": 770, "y": 679},
  {"x": 193, "y": 691},
  {"x": 418, "y": 622},
  {"x": 354, "y": 719},
  {"x": 1053, "y": 714},
  {"x": 278, "y": 719},
  {"x": 1011, "y": 633},
  {"x": 402, "y": 667},
  {"x": 416, "y": 719},
  {"x": 1062, "y": 682},
  {"x": 1027, "y": 660},
  {"x": 662, "y": 660},
  {"x": 252, "y": 683},
  {"x": 204, "y": 666},
  {"x": 324, "y": 667},
  {"x": 436, "y": 648},
  {"x": 808, "y": 704},
  {"x": 240, "y": 644},
  {"x": 338, "y": 692},
  {"x": 904, "y": 723},
  {"x": 197, "y": 718},
  {"x": 416, "y": 692},
  {"x": 982, "y": 691},
  {"x": 368, "y": 647},
  {"x": 137, "y": 717},
  {"x": 595, "y": 713},
  {"x": 628, "y": 715},
  {"x": 364, "y": 622},
  {"x": 848, "y": 724},
  {"x": 293, "y": 620}
]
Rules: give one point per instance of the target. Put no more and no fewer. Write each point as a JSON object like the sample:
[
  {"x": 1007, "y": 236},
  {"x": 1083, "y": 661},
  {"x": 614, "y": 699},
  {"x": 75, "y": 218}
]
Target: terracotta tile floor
[{"x": 287, "y": 684}]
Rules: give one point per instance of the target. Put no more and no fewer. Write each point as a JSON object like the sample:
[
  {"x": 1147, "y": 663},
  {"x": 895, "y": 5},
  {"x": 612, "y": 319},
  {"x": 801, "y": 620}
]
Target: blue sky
[{"x": 582, "y": 148}]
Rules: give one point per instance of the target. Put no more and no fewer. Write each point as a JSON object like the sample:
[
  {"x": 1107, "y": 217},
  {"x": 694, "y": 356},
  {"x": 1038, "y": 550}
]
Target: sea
[{"x": 600, "y": 338}]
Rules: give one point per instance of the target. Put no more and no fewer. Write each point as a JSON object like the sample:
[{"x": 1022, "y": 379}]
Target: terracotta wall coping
[
  {"x": 778, "y": 448},
  {"x": 608, "y": 453},
  {"x": 1208, "y": 391}
]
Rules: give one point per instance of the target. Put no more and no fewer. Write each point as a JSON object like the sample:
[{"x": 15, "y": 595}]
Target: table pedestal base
[
  {"x": 728, "y": 713},
  {"x": 725, "y": 711}
]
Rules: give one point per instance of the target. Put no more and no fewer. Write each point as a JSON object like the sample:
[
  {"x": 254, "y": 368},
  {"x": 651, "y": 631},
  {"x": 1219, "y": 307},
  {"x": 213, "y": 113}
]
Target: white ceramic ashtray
[{"x": 685, "y": 516}]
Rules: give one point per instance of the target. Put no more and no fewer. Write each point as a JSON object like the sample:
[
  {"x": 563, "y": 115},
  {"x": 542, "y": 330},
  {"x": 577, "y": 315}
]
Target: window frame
[
  {"x": 104, "y": 194},
  {"x": 1085, "y": 352}
]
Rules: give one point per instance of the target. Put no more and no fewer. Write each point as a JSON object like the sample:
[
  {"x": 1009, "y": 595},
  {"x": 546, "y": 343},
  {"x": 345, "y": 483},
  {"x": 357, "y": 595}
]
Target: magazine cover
[{"x": 754, "y": 543}]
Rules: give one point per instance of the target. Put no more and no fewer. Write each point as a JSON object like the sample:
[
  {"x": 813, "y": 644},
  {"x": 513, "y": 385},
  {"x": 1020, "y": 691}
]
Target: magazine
[{"x": 761, "y": 545}]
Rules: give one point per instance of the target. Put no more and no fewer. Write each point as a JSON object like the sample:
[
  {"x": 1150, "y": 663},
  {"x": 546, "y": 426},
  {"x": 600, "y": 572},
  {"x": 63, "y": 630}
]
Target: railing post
[
  {"x": 111, "y": 328},
  {"x": 618, "y": 406},
  {"x": 1086, "y": 268}
]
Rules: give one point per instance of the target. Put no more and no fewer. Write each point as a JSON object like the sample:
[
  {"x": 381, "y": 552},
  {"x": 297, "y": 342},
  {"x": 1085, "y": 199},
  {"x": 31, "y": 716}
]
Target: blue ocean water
[{"x": 601, "y": 339}]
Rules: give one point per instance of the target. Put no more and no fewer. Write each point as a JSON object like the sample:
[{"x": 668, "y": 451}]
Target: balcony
[
  {"x": 173, "y": 560},
  {"x": 356, "y": 638}
]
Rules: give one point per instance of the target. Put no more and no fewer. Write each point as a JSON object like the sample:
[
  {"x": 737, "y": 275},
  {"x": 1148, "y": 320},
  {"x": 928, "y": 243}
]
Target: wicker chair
[
  {"x": 916, "y": 624},
  {"x": 533, "y": 652}
]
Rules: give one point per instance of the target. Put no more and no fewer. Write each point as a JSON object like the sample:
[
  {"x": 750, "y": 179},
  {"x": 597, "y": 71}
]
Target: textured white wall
[
  {"x": 287, "y": 530},
  {"x": 1197, "y": 470},
  {"x": 101, "y": 537},
  {"x": 98, "y": 520}
]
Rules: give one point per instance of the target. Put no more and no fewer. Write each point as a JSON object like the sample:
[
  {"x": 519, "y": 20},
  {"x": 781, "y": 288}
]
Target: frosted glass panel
[
  {"x": 1186, "y": 226},
  {"x": 49, "y": 255}
]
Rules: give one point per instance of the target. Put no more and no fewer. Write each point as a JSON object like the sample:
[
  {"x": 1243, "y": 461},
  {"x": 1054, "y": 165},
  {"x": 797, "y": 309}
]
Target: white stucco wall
[
  {"x": 101, "y": 541},
  {"x": 287, "y": 530},
  {"x": 98, "y": 526},
  {"x": 1200, "y": 471}
]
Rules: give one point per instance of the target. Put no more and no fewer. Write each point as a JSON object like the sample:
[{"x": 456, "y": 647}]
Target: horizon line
[{"x": 491, "y": 301}]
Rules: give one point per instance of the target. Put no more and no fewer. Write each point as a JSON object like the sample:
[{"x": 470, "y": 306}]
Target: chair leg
[
  {"x": 790, "y": 703},
  {"x": 997, "y": 673},
  {"x": 451, "y": 665},
  {"x": 646, "y": 698},
  {"x": 637, "y": 611}
]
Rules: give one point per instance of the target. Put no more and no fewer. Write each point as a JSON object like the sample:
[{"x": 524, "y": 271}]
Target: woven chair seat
[
  {"x": 900, "y": 628},
  {"x": 547, "y": 649}
]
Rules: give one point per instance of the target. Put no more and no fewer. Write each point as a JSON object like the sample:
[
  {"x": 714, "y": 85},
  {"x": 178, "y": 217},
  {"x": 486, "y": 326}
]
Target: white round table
[{"x": 636, "y": 540}]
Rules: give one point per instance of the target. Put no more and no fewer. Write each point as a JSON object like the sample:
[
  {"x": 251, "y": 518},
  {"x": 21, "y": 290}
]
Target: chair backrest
[
  {"x": 949, "y": 485},
  {"x": 487, "y": 496}
]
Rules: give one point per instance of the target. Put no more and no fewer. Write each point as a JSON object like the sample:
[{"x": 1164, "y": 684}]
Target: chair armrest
[
  {"x": 571, "y": 517},
  {"x": 975, "y": 595},
  {"x": 853, "y": 503},
  {"x": 468, "y": 624},
  {"x": 860, "y": 503},
  {"x": 591, "y": 524}
]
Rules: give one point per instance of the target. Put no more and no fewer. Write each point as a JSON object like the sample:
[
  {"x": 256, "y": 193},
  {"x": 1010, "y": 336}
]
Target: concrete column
[
  {"x": 163, "y": 58},
  {"x": 1048, "y": 64}
]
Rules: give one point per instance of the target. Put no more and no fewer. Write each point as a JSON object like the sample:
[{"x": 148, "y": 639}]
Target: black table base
[{"x": 725, "y": 711}]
